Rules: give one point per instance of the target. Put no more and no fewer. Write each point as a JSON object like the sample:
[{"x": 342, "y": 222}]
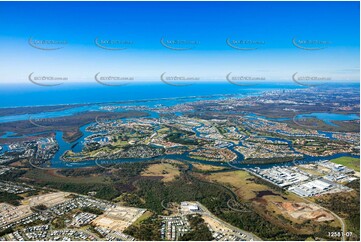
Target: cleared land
[
  {"x": 303, "y": 212},
  {"x": 49, "y": 200},
  {"x": 118, "y": 218},
  {"x": 215, "y": 224}
]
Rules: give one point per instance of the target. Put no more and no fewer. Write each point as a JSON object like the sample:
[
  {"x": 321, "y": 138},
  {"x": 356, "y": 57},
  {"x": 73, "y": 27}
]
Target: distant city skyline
[{"x": 205, "y": 40}]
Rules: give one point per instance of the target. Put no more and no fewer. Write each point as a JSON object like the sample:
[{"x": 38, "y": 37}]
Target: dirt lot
[
  {"x": 215, "y": 225},
  {"x": 303, "y": 211},
  {"x": 49, "y": 199},
  {"x": 118, "y": 218}
]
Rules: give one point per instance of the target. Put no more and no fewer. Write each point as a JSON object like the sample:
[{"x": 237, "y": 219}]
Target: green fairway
[{"x": 350, "y": 162}]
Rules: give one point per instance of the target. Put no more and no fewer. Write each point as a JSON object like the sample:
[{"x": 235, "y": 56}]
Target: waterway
[
  {"x": 77, "y": 146},
  {"x": 167, "y": 98}
]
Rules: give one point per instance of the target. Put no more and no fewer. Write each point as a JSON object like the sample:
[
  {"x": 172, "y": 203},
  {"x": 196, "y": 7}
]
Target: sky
[{"x": 270, "y": 40}]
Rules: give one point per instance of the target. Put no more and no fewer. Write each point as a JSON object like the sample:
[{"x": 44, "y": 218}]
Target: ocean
[{"x": 21, "y": 95}]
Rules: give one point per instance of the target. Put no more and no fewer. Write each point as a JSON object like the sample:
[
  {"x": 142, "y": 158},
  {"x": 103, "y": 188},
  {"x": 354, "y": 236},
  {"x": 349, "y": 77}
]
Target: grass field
[
  {"x": 204, "y": 167},
  {"x": 349, "y": 162},
  {"x": 239, "y": 181},
  {"x": 165, "y": 170},
  {"x": 144, "y": 216}
]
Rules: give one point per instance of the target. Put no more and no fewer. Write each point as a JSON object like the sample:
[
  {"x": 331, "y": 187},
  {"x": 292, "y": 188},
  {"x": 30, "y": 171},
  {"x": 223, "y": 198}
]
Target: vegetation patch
[
  {"x": 350, "y": 162},
  {"x": 148, "y": 229},
  {"x": 198, "y": 231},
  {"x": 10, "y": 198}
]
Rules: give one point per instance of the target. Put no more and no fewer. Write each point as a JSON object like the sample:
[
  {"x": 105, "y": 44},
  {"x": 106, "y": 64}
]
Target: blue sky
[{"x": 273, "y": 24}]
